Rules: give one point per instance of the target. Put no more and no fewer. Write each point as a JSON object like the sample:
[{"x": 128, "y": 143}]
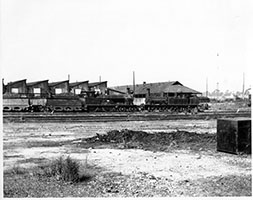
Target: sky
[{"x": 196, "y": 42}]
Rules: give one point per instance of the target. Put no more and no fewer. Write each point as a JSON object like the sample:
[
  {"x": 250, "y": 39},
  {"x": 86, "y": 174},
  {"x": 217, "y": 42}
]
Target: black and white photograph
[{"x": 126, "y": 98}]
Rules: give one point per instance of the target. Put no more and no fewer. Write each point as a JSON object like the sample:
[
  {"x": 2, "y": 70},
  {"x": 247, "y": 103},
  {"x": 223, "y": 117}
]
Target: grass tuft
[
  {"x": 18, "y": 170},
  {"x": 65, "y": 169}
]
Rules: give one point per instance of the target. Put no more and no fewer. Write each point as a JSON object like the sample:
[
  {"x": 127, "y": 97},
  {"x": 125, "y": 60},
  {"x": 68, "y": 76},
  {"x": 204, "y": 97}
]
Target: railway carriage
[
  {"x": 64, "y": 104},
  {"x": 15, "y": 104}
]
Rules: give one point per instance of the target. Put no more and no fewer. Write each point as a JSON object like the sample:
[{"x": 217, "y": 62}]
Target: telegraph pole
[
  {"x": 207, "y": 87},
  {"x": 217, "y": 90},
  {"x": 243, "y": 85},
  {"x": 133, "y": 82}
]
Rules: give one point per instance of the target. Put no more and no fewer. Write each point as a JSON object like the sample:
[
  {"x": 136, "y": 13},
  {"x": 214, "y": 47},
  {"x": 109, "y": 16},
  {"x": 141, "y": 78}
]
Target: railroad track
[{"x": 106, "y": 117}]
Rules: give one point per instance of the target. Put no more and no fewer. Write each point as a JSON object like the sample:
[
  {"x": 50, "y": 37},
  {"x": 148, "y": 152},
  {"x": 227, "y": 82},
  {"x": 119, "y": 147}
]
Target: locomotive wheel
[
  {"x": 98, "y": 109},
  {"x": 77, "y": 109},
  {"x": 7, "y": 109},
  {"x": 107, "y": 109},
  {"x": 122, "y": 109},
  {"x": 68, "y": 109},
  {"x": 91, "y": 109},
  {"x": 60, "y": 109},
  {"x": 131, "y": 109},
  {"x": 175, "y": 110},
  {"x": 17, "y": 109}
]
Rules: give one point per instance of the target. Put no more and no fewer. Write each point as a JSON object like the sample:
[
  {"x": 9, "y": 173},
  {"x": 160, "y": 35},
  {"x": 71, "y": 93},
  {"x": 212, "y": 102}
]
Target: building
[
  {"x": 161, "y": 89},
  {"x": 157, "y": 90},
  {"x": 16, "y": 88},
  {"x": 79, "y": 87},
  {"x": 57, "y": 88},
  {"x": 98, "y": 87},
  {"x": 38, "y": 88},
  {"x": 111, "y": 91}
]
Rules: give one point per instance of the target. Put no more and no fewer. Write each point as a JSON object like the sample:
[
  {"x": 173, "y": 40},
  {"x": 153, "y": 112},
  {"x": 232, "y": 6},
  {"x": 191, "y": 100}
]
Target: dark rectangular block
[{"x": 234, "y": 135}]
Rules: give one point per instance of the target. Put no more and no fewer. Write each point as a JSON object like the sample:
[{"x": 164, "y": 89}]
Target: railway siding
[{"x": 106, "y": 117}]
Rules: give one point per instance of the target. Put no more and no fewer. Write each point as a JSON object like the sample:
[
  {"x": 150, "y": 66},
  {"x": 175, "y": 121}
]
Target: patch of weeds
[
  {"x": 14, "y": 192},
  {"x": 17, "y": 170},
  {"x": 65, "y": 169},
  {"x": 59, "y": 177}
]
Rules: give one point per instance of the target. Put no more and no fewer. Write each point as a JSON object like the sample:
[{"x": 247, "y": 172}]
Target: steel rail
[{"x": 106, "y": 117}]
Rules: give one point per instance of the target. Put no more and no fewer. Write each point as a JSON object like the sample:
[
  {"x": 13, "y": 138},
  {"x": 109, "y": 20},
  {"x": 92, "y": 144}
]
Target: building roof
[
  {"x": 57, "y": 83},
  {"x": 117, "y": 91},
  {"x": 12, "y": 83},
  {"x": 96, "y": 83},
  {"x": 161, "y": 87},
  {"x": 77, "y": 83},
  {"x": 35, "y": 83}
]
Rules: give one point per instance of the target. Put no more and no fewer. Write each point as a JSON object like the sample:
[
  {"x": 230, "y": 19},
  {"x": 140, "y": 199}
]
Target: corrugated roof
[
  {"x": 36, "y": 82},
  {"x": 57, "y": 83},
  {"x": 11, "y": 83},
  {"x": 162, "y": 87},
  {"x": 117, "y": 91},
  {"x": 77, "y": 83},
  {"x": 96, "y": 83}
]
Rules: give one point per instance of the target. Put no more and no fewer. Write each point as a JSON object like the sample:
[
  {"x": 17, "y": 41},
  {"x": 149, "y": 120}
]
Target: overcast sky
[{"x": 161, "y": 40}]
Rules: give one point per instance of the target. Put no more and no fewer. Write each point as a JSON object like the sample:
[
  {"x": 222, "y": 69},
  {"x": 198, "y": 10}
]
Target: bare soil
[{"x": 125, "y": 159}]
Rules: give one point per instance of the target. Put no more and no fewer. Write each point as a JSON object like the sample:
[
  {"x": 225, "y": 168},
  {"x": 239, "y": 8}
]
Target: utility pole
[
  {"x": 243, "y": 85},
  {"x": 69, "y": 77},
  {"x": 133, "y": 82},
  {"x": 99, "y": 79},
  {"x": 217, "y": 90},
  {"x": 207, "y": 87}
]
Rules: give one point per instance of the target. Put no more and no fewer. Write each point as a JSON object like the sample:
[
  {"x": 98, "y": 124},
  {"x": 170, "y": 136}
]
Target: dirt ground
[{"x": 184, "y": 164}]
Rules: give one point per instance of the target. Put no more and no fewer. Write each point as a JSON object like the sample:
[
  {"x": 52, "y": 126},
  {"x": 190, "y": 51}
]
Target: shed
[
  {"x": 160, "y": 89},
  {"x": 111, "y": 91},
  {"x": 38, "y": 88},
  {"x": 79, "y": 87},
  {"x": 3, "y": 86},
  {"x": 57, "y": 88},
  {"x": 16, "y": 88},
  {"x": 98, "y": 87}
]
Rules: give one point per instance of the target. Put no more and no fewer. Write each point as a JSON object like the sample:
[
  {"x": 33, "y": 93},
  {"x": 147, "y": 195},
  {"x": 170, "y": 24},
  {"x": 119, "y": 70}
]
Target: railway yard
[
  {"x": 126, "y": 99},
  {"x": 140, "y": 154}
]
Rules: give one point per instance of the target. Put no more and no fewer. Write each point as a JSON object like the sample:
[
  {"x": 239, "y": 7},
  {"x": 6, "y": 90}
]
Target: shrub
[{"x": 64, "y": 169}]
